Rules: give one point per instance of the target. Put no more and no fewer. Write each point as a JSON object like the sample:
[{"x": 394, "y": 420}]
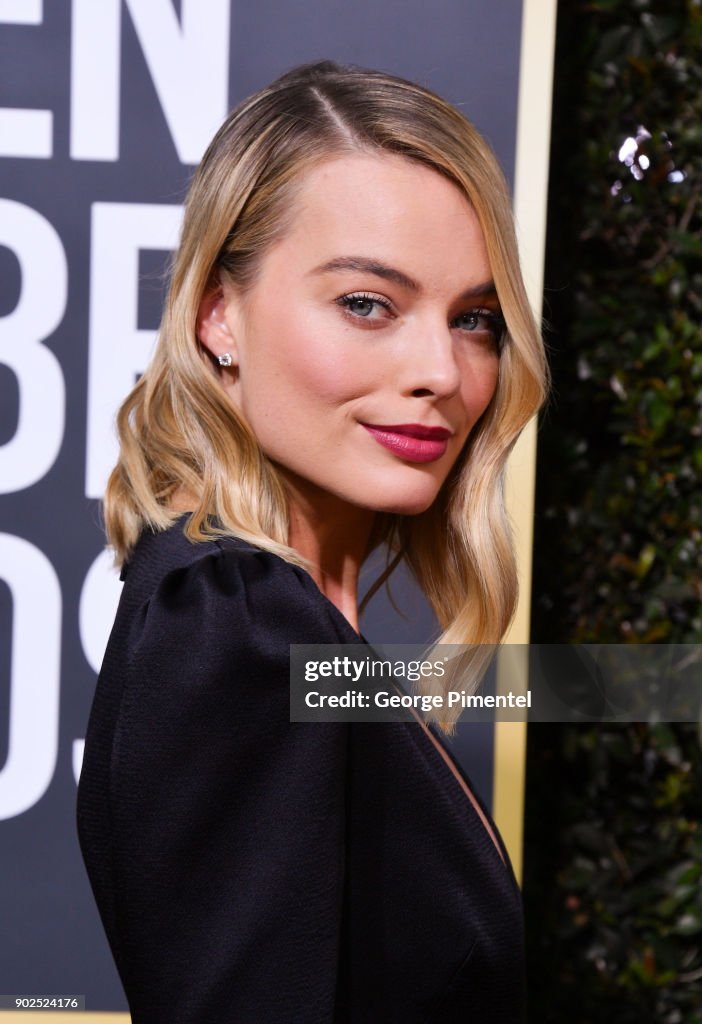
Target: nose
[{"x": 430, "y": 367}]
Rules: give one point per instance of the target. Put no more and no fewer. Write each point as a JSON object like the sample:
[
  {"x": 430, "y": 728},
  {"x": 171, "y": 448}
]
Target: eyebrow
[{"x": 371, "y": 266}]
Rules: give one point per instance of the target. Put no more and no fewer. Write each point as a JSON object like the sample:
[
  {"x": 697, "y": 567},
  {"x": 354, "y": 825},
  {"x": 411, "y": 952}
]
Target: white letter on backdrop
[
  {"x": 119, "y": 351},
  {"x": 188, "y": 62},
  {"x": 34, "y": 675},
  {"x": 24, "y": 133},
  {"x": 98, "y": 606},
  {"x": 42, "y": 303},
  {"x": 95, "y": 50}
]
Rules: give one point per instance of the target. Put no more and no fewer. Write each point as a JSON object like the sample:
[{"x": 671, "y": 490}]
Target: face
[{"x": 368, "y": 346}]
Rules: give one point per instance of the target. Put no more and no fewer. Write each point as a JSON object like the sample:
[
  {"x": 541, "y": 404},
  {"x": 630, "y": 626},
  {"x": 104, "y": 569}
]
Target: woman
[{"x": 346, "y": 358}]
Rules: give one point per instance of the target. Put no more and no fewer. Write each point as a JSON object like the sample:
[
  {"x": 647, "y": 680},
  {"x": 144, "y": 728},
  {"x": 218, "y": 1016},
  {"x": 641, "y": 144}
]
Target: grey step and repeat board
[{"x": 105, "y": 108}]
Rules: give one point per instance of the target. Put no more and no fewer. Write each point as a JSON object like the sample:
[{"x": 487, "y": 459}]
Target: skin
[{"x": 308, "y": 371}]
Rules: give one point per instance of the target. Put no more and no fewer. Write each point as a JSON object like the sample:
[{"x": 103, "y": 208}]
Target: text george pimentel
[{"x": 423, "y": 701}]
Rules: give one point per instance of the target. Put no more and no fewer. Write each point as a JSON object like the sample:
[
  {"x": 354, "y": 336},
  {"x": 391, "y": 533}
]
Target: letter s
[{"x": 34, "y": 675}]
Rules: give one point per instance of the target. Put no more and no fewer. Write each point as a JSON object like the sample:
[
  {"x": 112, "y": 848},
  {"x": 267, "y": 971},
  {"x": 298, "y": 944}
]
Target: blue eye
[
  {"x": 362, "y": 306},
  {"x": 482, "y": 321}
]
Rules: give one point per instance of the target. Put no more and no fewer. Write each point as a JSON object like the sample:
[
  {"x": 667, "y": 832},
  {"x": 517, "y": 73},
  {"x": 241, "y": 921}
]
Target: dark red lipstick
[{"x": 414, "y": 442}]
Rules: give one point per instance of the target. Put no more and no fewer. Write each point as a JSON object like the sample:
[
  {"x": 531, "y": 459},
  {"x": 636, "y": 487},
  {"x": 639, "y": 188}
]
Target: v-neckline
[
  {"x": 444, "y": 754},
  {"x": 437, "y": 744}
]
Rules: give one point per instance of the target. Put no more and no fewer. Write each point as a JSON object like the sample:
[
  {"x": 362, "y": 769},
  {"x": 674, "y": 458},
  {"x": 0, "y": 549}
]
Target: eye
[
  {"x": 362, "y": 306},
  {"x": 482, "y": 321}
]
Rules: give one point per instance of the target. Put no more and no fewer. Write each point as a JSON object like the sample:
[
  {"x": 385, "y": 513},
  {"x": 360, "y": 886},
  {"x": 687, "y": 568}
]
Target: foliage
[
  {"x": 624, "y": 287},
  {"x": 613, "y": 865},
  {"x": 614, "y": 875}
]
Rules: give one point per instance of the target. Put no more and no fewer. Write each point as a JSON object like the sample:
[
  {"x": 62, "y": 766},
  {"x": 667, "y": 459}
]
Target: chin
[{"x": 407, "y": 504}]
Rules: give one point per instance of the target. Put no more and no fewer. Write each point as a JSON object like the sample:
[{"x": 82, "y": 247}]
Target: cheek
[
  {"x": 479, "y": 386},
  {"x": 304, "y": 368},
  {"x": 326, "y": 358},
  {"x": 326, "y": 376}
]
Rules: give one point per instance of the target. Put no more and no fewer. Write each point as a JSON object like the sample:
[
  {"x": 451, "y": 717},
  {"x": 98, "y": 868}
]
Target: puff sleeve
[{"x": 227, "y": 820}]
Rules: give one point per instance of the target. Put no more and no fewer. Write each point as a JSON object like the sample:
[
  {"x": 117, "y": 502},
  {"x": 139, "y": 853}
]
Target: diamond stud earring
[{"x": 225, "y": 359}]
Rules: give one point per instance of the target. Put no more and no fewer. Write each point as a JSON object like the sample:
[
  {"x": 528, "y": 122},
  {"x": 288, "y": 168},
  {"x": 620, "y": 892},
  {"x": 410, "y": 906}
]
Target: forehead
[{"x": 389, "y": 208}]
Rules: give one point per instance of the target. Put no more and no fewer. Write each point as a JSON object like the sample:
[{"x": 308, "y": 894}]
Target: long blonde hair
[{"x": 180, "y": 433}]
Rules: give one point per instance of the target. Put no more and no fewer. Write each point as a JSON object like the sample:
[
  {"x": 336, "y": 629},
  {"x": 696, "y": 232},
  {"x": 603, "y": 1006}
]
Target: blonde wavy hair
[{"x": 179, "y": 432}]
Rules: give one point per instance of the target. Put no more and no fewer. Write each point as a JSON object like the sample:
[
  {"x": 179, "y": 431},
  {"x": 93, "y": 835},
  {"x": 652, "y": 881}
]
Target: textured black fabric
[{"x": 250, "y": 870}]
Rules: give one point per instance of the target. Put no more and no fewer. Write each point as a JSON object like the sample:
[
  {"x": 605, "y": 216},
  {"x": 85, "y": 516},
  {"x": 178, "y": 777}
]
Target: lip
[{"x": 414, "y": 442}]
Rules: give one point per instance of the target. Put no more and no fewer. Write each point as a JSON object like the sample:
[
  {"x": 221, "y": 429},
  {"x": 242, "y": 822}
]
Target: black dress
[{"x": 250, "y": 870}]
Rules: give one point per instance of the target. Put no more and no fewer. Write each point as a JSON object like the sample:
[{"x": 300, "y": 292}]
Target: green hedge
[
  {"x": 619, "y": 496},
  {"x": 613, "y": 875},
  {"x": 613, "y": 860}
]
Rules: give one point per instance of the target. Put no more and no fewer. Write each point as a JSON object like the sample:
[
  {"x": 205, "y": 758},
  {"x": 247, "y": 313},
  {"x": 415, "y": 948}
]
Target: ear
[{"x": 213, "y": 327}]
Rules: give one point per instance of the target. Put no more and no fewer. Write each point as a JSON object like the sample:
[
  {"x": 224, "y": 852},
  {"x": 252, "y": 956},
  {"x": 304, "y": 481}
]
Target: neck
[
  {"x": 331, "y": 534},
  {"x": 334, "y": 537}
]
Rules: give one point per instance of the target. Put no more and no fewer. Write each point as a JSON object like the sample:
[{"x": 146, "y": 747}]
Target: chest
[{"x": 431, "y": 910}]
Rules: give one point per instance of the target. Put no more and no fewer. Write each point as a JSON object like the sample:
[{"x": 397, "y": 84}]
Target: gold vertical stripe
[
  {"x": 54, "y": 1017},
  {"x": 530, "y": 195}
]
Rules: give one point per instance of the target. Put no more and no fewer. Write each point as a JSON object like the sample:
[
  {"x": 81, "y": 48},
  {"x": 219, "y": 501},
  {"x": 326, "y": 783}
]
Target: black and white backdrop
[{"x": 105, "y": 108}]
